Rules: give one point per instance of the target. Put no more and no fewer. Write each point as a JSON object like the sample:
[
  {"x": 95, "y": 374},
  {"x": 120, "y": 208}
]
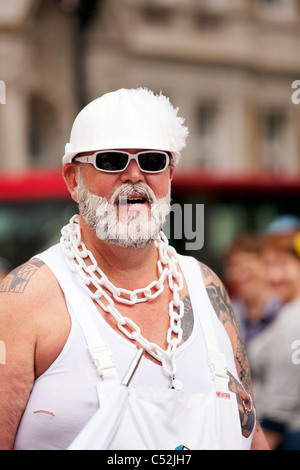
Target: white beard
[{"x": 129, "y": 230}]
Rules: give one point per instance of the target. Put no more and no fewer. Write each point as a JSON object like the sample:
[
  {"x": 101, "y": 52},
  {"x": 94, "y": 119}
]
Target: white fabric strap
[
  {"x": 218, "y": 368},
  {"x": 98, "y": 349},
  {"x": 216, "y": 359}
]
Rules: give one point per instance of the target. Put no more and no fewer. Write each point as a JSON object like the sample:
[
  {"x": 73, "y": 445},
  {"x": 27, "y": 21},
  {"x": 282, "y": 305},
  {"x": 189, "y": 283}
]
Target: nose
[{"x": 132, "y": 173}]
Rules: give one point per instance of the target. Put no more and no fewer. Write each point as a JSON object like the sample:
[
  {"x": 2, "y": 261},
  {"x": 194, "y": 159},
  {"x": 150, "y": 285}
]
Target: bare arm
[
  {"x": 222, "y": 306},
  {"x": 17, "y": 333}
]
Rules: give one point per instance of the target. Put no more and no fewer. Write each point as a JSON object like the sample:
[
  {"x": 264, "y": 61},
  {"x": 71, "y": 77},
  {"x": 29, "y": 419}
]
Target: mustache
[{"x": 130, "y": 190}]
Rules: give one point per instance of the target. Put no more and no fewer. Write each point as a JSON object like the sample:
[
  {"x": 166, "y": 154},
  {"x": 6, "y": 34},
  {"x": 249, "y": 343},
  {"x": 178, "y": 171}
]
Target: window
[
  {"x": 42, "y": 133},
  {"x": 206, "y": 128},
  {"x": 273, "y": 126}
]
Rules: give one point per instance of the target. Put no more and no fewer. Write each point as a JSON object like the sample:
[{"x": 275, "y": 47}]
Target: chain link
[{"x": 91, "y": 275}]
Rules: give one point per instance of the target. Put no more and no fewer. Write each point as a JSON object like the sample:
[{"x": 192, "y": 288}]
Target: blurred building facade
[{"x": 227, "y": 64}]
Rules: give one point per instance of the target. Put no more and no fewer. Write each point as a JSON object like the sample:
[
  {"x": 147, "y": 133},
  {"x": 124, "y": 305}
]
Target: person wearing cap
[{"x": 73, "y": 317}]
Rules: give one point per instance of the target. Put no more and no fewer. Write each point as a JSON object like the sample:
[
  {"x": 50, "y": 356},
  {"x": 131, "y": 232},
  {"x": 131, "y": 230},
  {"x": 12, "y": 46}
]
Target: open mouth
[
  {"x": 136, "y": 203},
  {"x": 138, "y": 195},
  {"x": 133, "y": 200}
]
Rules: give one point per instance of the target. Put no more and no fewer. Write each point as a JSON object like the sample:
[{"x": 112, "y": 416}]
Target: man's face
[
  {"x": 126, "y": 208},
  {"x": 245, "y": 272},
  {"x": 283, "y": 273}
]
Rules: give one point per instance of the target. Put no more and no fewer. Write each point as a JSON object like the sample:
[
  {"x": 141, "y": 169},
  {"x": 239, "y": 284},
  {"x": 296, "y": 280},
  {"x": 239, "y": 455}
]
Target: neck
[{"x": 124, "y": 266}]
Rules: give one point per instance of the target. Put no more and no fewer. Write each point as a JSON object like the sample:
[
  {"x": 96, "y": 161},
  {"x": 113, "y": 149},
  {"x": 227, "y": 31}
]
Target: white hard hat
[{"x": 135, "y": 118}]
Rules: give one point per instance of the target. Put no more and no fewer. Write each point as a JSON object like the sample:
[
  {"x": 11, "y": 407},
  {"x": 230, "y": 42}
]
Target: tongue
[
  {"x": 133, "y": 204},
  {"x": 138, "y": 205}
]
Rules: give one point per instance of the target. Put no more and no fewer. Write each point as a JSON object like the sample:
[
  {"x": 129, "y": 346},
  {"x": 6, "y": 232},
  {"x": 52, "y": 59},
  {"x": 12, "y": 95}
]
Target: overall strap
[
  {"x": 201, "y": 306},
  {"x": 99, "y": 350}
]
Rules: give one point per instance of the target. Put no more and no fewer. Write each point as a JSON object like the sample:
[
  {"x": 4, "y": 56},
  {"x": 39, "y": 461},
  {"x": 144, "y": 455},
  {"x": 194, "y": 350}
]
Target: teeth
[
  {"x": 131, "y": 200},
  {"x": 124, "y": 200}
]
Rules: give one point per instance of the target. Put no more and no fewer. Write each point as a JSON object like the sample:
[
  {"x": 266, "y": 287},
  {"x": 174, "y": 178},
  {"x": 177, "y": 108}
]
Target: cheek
[
  {"x": 292, "y": 273},
  {"x": 160, "y": 186},
  {"x": 102, "y": 189},
  {"x": 100, "y": 184}
]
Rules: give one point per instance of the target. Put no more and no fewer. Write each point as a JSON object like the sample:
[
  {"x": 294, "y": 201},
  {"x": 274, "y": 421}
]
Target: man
[{"x": 115, "y": 271}]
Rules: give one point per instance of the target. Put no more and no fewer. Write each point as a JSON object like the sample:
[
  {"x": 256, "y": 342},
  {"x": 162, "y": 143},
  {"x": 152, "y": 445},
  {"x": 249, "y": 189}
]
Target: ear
[
  {"x": 70, "y": 175},
  {"x": 171, "y": 172}
]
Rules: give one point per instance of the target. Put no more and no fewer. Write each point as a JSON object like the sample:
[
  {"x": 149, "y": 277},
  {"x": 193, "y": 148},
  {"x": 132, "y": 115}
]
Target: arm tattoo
[
  {"x": 187, "y": 321},
  {"x": 222, "y": 306},
  {"x": 247, "y": 418},
  {"x": 18, "y": 279}
]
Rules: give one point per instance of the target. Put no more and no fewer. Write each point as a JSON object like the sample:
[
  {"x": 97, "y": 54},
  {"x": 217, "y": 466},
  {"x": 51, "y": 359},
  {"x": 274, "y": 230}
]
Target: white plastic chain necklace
[{"x": 98, "y": 286}]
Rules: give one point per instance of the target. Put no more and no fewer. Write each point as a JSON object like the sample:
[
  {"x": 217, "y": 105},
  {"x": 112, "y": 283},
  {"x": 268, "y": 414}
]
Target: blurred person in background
[
  {"x": 275, "y": 376},
  {"x": 253, "y": 301}
]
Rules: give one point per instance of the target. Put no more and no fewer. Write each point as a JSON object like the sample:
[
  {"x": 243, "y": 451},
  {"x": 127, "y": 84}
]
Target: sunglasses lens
[
  {"x": 116, "y": 161},
  {"x": 111, "y": 161},
  {"x": 152, "y": 161}
]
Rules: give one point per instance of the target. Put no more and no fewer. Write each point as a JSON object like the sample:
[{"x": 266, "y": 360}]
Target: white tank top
[{"x": 65, "y": 397}]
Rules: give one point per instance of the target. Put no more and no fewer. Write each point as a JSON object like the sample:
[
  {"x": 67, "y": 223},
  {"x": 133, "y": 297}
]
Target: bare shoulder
[
  {"x": 27, "y": 295},
  {"x": 29, "y": 301},
  {"x": 32, "y": 302},
  {"x": 27, "y": 289},
  {"x": 24, "y": 279},
  {"x": 218, "y": 296}
]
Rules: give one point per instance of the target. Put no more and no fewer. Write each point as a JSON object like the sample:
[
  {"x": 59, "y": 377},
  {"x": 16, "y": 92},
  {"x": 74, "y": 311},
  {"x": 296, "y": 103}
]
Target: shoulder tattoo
[
  {"x": 18, "y": 279},
  {"x": 222, "y": 306}
]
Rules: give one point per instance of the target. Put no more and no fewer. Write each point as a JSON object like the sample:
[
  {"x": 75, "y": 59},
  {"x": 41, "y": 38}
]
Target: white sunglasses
[{"x": 113, "y": 161}]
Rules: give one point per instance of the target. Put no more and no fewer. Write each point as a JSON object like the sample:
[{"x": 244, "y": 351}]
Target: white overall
[{"x": 156, "y": 418}]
